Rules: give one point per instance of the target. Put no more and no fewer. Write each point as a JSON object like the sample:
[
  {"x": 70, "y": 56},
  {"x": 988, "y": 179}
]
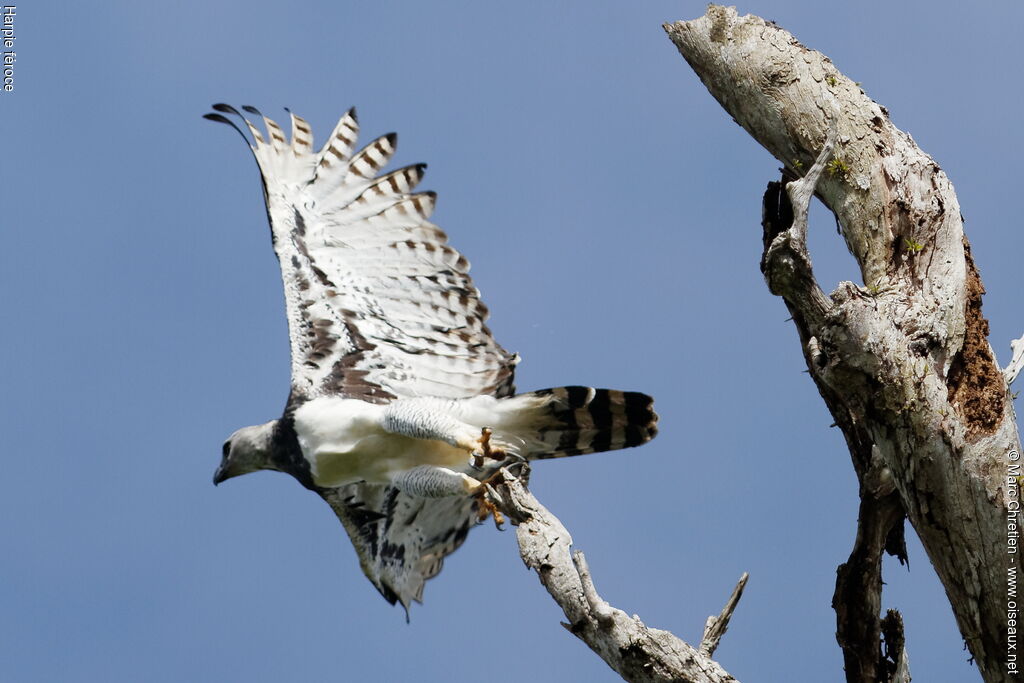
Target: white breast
[
  {"x": 337, "y": 424},
  {"x": 343, "y": 441}
]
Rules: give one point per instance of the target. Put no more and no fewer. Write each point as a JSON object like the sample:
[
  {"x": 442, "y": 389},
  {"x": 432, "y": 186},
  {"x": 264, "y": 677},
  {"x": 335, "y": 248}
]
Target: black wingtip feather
[
  {"x": 226, "y": 108},
  {"x": 352, "y": 113},
  {"x": 388, "y": 592},
  {"x": 251, "y": 109}
]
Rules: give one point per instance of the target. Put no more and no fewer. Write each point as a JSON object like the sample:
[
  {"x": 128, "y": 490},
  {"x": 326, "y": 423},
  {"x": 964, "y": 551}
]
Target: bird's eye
[{"x": 226, "y": 449}]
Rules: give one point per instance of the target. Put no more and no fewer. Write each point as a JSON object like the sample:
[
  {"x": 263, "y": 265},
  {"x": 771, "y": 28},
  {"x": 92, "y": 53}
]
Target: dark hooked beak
[{"x": 220, "y": 475}]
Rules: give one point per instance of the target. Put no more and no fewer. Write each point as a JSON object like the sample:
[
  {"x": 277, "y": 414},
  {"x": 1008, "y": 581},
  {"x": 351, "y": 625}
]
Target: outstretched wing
[
  {"x": 401, "y": 540},
  {"x": 379, "y": 306}
]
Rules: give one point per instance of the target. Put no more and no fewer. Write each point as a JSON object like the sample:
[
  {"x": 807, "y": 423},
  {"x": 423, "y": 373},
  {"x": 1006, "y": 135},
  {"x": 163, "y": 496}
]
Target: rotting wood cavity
[{"x": 975, "y": 384}]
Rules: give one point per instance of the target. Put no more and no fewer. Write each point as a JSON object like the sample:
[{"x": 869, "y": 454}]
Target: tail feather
[{"x": 576, "y": 420}]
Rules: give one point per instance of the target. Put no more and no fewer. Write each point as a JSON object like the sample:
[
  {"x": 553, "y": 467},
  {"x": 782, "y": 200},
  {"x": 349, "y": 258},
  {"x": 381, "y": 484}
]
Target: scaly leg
[
  {"x": 427, "y": 418},
  {"x": 429, "y": 481},
  {"x": 431, "y": 418}
]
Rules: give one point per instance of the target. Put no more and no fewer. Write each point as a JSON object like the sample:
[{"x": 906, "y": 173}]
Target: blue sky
[{"x": 611, "y": 211}]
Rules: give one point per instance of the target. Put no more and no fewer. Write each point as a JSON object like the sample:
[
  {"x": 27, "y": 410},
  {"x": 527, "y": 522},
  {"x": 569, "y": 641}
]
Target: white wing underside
[
  {"x": 379, "y": 307},
  {"x": 401, "y": 540}
]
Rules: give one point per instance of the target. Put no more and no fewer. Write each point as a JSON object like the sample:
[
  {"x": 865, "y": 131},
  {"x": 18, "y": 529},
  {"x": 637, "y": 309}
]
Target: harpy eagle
[{"x": 401, "y": 401}]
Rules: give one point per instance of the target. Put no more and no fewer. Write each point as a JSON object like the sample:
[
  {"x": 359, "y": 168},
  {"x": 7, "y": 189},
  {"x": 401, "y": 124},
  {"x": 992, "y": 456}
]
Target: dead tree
[{"x": 902, "y": 362}]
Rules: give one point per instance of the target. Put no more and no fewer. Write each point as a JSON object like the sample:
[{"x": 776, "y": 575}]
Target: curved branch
[{"x": 635, "y": 651}]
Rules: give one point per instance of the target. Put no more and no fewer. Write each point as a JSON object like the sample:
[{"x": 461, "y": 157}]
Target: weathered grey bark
[
  {"x": 903, "y": 363},
  {"x": 634, "y": 651}
]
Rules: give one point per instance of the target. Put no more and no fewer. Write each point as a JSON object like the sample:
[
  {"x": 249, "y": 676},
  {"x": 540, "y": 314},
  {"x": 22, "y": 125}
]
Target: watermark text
[
  {"x": 8, "y": 56},
  {"x": 1013, "y": 524}
]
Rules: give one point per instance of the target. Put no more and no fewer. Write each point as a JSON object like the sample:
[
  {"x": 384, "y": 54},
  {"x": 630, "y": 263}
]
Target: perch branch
[{"x": 635, "y": 651}]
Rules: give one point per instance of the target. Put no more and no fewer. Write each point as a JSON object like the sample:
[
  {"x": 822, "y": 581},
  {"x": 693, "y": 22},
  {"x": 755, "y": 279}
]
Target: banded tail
[{"x": 577, "y": 420}]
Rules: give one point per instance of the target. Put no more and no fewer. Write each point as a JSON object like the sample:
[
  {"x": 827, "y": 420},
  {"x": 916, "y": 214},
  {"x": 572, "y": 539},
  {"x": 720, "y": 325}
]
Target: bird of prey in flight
[{"x": 401, "y": 401}]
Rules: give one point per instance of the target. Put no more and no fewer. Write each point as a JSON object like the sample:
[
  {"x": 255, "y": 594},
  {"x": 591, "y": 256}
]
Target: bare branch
[
  {"x": 801, "y": 191},
  {"x": 1017, "y": 362},
  {"x": 896, "y": 659},
  {"x": 715, "y": 627},
  {"x": 634, "y": 651},
  {"x": 858, "y": 596},
  {"x": 602, "y": 611}
]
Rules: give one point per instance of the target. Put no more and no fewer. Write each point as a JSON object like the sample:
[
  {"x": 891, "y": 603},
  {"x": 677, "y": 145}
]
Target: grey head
[{"x": 247, "y": 450}]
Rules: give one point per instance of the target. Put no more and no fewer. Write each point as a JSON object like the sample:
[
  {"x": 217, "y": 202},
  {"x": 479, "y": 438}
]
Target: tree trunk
[{"x": 903, "y": 362}]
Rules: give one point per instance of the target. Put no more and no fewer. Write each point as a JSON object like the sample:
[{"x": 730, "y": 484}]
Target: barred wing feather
[
  {"x": 379, "y": 306},
  {"x": 401, "y": 540}
]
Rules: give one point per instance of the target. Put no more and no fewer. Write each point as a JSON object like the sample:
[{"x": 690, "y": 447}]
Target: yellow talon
[{"x": 481, "y": 449}]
